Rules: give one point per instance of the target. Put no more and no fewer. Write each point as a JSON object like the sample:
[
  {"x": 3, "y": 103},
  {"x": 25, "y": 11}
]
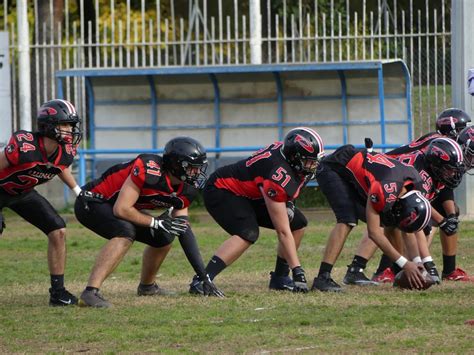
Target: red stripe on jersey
[
  {"x": 112, "y": 184},
  {"x": 241, "y": 188},
  {"x": 355, "y": 165}
]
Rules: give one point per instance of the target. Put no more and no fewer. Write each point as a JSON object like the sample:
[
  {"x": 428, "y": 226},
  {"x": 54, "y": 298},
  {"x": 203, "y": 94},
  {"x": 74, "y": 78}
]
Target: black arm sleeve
[{"x": 189, "y": 244}]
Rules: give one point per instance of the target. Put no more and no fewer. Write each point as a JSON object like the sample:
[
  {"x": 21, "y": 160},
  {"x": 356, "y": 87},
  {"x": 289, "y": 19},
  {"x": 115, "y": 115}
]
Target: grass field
[{"x": 251, "y": 319}]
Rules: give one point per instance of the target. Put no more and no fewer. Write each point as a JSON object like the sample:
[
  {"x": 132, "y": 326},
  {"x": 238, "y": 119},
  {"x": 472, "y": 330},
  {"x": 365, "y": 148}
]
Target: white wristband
[
  {"x": 401, "y": 261},
  {"x": 426, "y": 259},
  {"x": 77, "y": 190},
  {"x": 152, "y": 223},
  {"x": 417, "y": 259}
]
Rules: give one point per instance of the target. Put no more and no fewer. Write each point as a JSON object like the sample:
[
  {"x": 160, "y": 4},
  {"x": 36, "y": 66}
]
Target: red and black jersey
[
  {"x": 419, "y": 145},
  {"x": 266, "y": 168},
  {"x": 155, "y": 186},
  {"x": 29, "y": 163},
  {"x": 431, "y": 187},
  {"x": 374, "y": 175}
]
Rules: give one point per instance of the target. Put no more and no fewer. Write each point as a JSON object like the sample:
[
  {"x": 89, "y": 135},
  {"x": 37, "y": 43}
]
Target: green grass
[{"x": 250, "y": 319}]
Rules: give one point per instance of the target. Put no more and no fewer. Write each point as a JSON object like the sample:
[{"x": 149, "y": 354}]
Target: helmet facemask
[{"x": 193, "y": 174}]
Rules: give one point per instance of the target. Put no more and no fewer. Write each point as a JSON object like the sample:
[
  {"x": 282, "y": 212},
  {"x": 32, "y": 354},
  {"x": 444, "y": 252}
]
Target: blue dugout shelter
[{"x": 234, "y": 110}]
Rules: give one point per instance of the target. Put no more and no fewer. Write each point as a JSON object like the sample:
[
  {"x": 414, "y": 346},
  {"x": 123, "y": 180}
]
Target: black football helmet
[
  {"x": 466, "y": 141},
  {"x": 452, "y": 121},
  {"x": 411, "y": 212},
  {"x": 303, "y": 149},
  {"x": 57, "y": 112},
  {"x": 185, "y": 158},
  {"x": 444, "y": 160}
]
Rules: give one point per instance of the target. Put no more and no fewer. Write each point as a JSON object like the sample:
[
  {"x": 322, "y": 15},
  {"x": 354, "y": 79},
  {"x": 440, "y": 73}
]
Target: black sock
[
  {"x": 324, "y": 267},
  {"x": 449, "y": 264},
  {"x": 57, "y": 282},
  {"x": 90, "y": 288},
  {"x": 215, "y": 266},
  {"x": 359, "y": 262},
  {"x": 281, "y": 267},
  {"x": 395, "y": 268},
  {"x": 384, "y": 263}
]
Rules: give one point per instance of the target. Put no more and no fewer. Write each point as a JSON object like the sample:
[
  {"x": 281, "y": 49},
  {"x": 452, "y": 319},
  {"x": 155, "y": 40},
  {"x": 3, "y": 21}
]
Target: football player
[
  {"x": 147, "y": 182},
  {"x": 255, "y": 192},
  {"x": 33, "y": 158},
  {"x": 441, "y": 167},
  {"x": 369, "y": 186},
  {"x": 450, "y": 123}
]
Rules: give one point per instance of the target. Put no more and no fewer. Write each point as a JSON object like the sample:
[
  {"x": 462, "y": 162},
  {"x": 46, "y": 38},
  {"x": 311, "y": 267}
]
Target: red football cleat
[
  {"x": 386, "y": 276},
  {"x": 458, "y": 275}
]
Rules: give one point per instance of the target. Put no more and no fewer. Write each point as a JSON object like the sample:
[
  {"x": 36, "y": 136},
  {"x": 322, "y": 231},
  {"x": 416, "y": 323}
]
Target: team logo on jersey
[
  {"x": 374, "y": 198},
  {"x": 440, "y": 153},
  {"x": 302, "y": 141},
  {"x": 47, "y": 111},
  {"x": 271, "y": 193},
  {"x": 10, "y": 148},
  {"x": 136, "y": 171}
]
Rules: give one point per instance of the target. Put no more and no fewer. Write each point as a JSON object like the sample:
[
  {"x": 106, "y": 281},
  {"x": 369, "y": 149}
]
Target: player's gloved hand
[
  {"x": 172, "y": 225},
  {"x": 2, "y": 223},
  {"x": 209, "y": 288},
  {"x": 432, "y": 271},
  {"x": 88, "y": 196},
  {"x": 449, "y": 225},
  {"x": 299, "y": 279},
  {"x": 290, "y": 209}
]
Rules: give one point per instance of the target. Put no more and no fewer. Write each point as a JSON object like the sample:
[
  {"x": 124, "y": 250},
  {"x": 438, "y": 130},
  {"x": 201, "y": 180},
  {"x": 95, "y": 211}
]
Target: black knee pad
[
  {"x": 250, "y": 235},
  {"x": 161, "y": 238},
  {"x": 299, "y": 220}
]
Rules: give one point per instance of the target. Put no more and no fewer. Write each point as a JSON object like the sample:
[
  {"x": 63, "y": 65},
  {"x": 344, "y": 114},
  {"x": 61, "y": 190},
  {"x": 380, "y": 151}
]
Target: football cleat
[
  {"x": 386, "y": 276},
  {"x": 152, "y": 290},
  {"x": 325, "y": 283},
  {"x": 281, "y": 283},
  {"x": 195, "y": 287},
  {"x": 93, "y": 298},
  {"x": 355, "y": 276},
  {"x": 458, "y": 275},
  {"x": 61, "y": 297}
]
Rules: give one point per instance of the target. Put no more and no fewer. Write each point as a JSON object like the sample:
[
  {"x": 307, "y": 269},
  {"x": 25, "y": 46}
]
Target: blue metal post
[
  {"x": 345, "y": 121},
  {"x": 217, "y": 109},
  {"x": 91, "y": 106},
  {"x": 59, "y": 86},
  {"x": 279, "y": 87},
  {"x": 408, "y": 100},
  {"x": 154, "y": 111},
  {"x": 381, "y": 103},
  {"x": 82, "y": 168}
]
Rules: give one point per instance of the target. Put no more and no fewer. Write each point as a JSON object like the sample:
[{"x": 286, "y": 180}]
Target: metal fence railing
[{"x": 118, "y": 34}]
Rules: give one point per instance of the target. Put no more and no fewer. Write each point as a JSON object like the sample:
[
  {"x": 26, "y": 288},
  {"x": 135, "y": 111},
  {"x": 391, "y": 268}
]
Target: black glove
[
  {"x": 449, "y": 225},
  {"x": 88, "y": 196},
  {"x": 175, "y": 226},
  {"x": 209, "y": 288},
  {"x": 2, "y": 223},
  {"x": 290, "y": 209},
  {"x": 432, "y": 271},
  {"x": 299, "y": 279}
]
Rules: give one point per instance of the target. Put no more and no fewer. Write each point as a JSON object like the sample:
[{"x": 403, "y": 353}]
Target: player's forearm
[
  {"x": 68, "y": 179},
  {"x": 191, "y": 250},
  {"x": 411, "y": 245},
  {"x": 288, "y": 247},
  {"x": 132, "y": 215}
]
